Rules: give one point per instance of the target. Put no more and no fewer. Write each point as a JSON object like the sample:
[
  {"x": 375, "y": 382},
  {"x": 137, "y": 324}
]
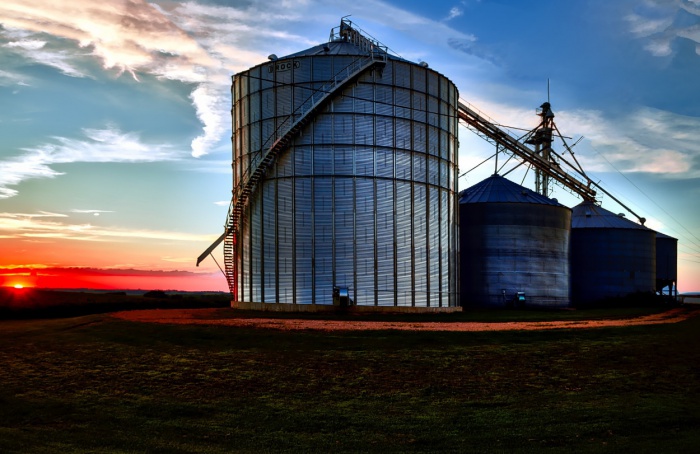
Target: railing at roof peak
[{"x": 349, "y": 32}]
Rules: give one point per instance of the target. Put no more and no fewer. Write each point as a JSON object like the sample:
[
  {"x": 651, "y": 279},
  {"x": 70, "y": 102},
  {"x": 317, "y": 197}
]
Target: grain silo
[
  {"x": 514, "y": 246},
  {"x": 666, "y": 264},
  {"x": 611, "y": 257},
  {"x": 344, "y": 175}
]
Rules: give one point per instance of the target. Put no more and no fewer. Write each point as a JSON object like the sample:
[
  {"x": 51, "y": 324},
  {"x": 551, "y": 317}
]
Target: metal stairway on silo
[{"x": 261, "y": 162}]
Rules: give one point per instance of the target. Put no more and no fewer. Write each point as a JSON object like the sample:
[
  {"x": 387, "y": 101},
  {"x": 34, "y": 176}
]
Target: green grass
[{"x": 97, "y": 384}]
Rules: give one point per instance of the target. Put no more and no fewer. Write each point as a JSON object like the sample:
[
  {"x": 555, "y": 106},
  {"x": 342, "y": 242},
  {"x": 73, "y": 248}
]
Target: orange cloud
[{"x": 130, "y": 35}]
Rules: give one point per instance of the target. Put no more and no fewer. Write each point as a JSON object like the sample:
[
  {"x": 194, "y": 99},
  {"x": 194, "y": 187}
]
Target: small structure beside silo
[
  {"x": 666, "y": 265},
  {"x": 514, "y": 246},
  {"x": 611, "y": 256}
]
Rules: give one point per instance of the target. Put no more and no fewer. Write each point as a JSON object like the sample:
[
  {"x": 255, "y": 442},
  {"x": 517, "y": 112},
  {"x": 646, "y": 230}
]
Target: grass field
[
  {"x": 41, "y": 303},
  {"x": 97, "y": 384}
]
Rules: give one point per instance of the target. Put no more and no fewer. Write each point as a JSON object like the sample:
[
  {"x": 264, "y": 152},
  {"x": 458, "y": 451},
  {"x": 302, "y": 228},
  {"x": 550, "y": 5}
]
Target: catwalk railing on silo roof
[
  {"x": 355, "y": 35},
  {"x": 281, "y": 138}
]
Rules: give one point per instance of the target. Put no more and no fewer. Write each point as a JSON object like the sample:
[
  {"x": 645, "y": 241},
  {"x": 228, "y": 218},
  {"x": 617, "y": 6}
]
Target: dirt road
[{"x": 210, "y": 317}]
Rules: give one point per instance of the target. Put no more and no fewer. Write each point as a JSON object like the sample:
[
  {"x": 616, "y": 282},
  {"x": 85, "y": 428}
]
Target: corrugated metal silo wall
[
  {"x": 514, "y": 247},
  {"x": 366, "y": 198},
  {"x": 666, "y": 259},
  {"x": 611, "y": 263}
]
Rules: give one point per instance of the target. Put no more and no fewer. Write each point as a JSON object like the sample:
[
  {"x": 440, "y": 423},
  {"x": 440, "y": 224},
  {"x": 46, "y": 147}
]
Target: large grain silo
[
  {"x": 666, "y": 264},
  {"x": 514, "y": 246},
  {"x": 344, "y": 175},
  {"x": 611, "y": 257}
]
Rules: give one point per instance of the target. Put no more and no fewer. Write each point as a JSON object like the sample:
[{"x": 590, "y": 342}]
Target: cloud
[
  {"x": 659, "y": 47},
  {"x": 662, "y": 22},
  {"x": 15, "y": 170},
  {"x": 8, "y": 78},
  {"x": 646, "y": 140},
  {"x": 25, "y": 226},
  {"x": 30, "y": 44},
  {"x": 43, "y": 270},
  {"x": 469, "y": 45},
  {"x": 455, "y": 11},
  {"x": 643, "y": 26},
  {"x": 100, "y": 145},
  {"x": 187, "y": 260},
  {"x": 37, "y": 51},
  {"x": 210, "y": 101},
  {"x": 128, "y": 35},
  {"x": 45, "y": 214},
  {"x": 92, "y": 212},
  {"x": 219, "y": 166}
]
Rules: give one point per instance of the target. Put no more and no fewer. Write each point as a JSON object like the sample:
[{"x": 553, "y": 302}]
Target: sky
[{"x": 115, "y": 124}]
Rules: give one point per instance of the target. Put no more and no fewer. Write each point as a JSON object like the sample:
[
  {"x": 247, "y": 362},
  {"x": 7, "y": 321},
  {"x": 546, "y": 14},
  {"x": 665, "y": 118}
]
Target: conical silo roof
[
  {"x": 588, "y": 215},
  {"x": 664, "y": 236},
  {"x": 330, "y": 48},
  {"x": 336, "y": 48},
  {"x": 498, "y": 189}
]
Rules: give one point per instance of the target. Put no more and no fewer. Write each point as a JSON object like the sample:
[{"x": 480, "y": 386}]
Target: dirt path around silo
[{"x": 212, "y": 317}]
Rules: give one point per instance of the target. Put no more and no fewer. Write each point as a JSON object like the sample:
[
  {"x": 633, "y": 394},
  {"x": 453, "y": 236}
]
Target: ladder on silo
[{"x": 261, "y": 162}]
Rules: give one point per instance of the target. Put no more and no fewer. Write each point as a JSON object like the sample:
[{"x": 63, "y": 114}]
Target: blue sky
[{"x": 115, "y": 125}]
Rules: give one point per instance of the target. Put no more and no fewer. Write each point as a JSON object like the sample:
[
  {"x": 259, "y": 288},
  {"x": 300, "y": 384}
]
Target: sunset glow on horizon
[{"x": 99, "y": 279}]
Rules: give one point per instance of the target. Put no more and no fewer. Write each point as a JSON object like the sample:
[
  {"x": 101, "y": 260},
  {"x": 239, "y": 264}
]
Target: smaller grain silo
[
  {"x": 611, "y": 257},
  {"x": 666, "y": 264},
  {"x": 514, "y": 247}
]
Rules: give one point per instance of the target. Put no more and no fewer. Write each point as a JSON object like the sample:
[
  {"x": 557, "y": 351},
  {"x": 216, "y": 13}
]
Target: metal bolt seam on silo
[
  {"x": 611, "y": 257},
  {"x": 514, "y": 247},
  {"x": 361, "y": 195}
]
